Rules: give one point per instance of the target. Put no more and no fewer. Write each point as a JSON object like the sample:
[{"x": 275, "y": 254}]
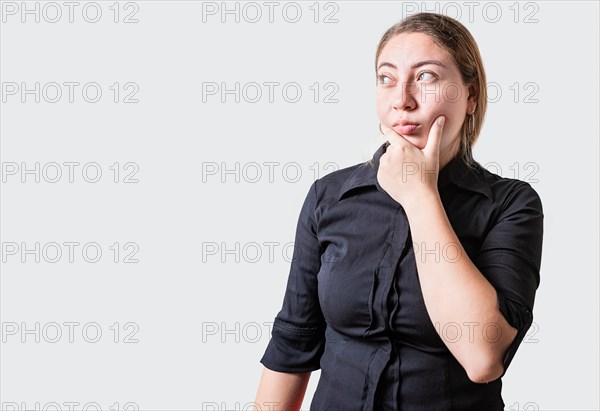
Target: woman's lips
[{"x": 405, "y": 129}]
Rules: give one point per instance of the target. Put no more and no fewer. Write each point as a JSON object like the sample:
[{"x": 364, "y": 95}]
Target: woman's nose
[{"x": 404, "y": 99}]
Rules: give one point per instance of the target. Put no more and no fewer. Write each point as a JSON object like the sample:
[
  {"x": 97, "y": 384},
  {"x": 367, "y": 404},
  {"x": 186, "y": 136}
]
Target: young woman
[{"x": 414, "y": 274}]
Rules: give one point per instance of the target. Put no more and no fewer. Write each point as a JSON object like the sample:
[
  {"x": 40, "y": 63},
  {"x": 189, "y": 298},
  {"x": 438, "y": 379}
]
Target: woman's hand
[{"x": 407, "y": 173}]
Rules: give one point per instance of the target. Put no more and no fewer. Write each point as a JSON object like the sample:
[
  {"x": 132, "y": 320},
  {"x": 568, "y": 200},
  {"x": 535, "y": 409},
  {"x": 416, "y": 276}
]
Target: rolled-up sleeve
[
  {"x": 298, "y": 334},
  {"x": 510, "y": 258}
]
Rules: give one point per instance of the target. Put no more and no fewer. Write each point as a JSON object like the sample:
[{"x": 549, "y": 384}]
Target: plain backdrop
[{"x": 187, "y": 173}]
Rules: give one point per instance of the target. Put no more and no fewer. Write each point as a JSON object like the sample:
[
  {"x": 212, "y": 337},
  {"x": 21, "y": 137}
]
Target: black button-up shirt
[{"x": 353, "y": 305}]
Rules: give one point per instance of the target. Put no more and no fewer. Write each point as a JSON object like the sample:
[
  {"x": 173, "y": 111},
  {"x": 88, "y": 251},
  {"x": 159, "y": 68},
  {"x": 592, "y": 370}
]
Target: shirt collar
[{"x": 455, "y": 172}]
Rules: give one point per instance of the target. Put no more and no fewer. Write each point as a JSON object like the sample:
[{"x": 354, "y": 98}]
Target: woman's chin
[{"x": 416, "y": 141}]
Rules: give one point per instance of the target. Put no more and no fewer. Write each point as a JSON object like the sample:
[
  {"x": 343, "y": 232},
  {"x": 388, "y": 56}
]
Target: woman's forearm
[
  {"x": 457, "y": 294},
  {"x": 279, "y": 391}
]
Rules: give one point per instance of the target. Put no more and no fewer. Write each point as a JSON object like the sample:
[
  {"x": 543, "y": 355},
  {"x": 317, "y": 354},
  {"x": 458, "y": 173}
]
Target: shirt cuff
[
  {"x": 519, "y": 317},
  {"x": 293, "y": 348}
]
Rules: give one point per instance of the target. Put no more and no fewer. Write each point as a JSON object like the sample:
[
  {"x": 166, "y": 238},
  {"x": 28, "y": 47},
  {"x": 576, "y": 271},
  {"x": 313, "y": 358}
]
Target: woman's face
[{"x": 417, "y": 82}]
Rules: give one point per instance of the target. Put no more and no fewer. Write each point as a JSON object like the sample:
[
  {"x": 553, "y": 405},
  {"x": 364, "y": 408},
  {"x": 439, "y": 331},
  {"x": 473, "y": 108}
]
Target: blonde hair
[{"x": 456, "y": 39}]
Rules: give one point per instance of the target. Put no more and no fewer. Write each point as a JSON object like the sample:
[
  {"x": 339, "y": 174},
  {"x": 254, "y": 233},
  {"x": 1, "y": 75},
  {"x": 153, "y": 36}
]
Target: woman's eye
[
  {"x": 425, "y": 72},
  {"x": 382, "y": 78}
]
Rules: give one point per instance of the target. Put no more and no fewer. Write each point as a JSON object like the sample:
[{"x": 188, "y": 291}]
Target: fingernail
[{"x": 441, "y": 120}]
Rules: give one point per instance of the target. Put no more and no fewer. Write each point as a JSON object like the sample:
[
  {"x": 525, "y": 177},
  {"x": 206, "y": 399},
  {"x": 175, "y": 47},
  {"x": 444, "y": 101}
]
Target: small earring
[
  {"x": 471, "y": 130},
  {"x": 380, "y": 130}
]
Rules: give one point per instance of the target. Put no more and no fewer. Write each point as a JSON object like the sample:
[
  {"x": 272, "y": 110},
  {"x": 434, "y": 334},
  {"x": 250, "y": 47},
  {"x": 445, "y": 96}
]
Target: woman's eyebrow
[{"x": 414, "y": 66}]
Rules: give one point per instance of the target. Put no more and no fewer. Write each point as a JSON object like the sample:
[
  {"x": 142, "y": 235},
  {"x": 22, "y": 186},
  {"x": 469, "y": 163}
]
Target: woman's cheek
[{"x": 380, "y": 112}]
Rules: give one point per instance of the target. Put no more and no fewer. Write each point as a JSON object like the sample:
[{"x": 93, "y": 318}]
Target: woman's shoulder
[
  {"x": 508, "y": 190},
  {"x": 335, "y": 182}
]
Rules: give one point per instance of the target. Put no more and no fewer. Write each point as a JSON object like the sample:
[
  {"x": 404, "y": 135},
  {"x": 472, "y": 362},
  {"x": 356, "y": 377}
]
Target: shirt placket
[{"x": 384, "y": 288}]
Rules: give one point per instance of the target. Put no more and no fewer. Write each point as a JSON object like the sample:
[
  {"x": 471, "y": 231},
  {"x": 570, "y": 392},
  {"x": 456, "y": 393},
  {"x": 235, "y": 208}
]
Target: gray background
[{"x": 193, "y": 324}]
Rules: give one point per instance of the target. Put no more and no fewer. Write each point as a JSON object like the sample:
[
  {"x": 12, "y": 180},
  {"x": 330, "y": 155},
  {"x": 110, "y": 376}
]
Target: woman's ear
[{"x": 473, "y": 94}]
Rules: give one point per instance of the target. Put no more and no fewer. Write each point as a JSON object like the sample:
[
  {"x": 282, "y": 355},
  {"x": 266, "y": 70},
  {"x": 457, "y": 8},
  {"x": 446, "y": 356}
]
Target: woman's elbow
[{"x": 486, "y": 373}]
